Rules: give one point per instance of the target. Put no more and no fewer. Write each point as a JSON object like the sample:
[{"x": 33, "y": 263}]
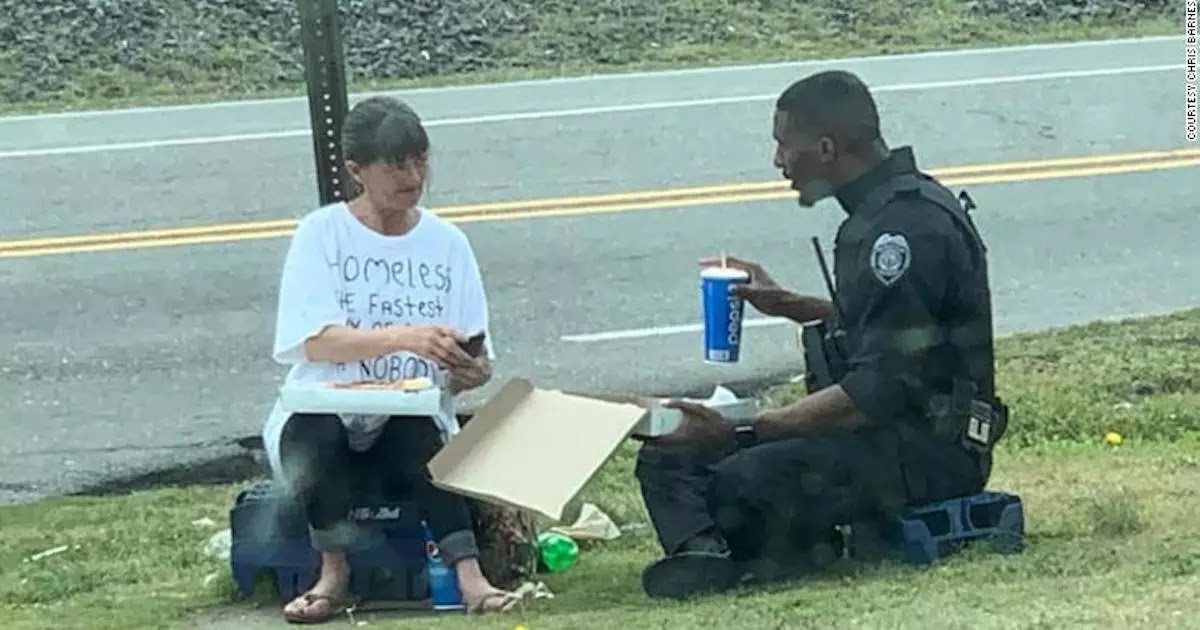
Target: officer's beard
[{"x": 814, "y": 191}]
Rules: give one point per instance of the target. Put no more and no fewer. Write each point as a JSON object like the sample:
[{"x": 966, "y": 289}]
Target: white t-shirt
[{"x": 338, "y": 271}]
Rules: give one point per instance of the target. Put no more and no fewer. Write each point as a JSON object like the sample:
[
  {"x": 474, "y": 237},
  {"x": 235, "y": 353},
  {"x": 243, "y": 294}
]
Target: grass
[
  {"x": 1138, "y": 378},
  {"x": 559, "y": 46},
  {"x": 1111, "y": 529}
]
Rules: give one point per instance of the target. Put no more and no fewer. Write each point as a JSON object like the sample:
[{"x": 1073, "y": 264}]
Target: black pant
[
  {"x": 777, "y": 497},
  {"x": 326, "y": 476}
]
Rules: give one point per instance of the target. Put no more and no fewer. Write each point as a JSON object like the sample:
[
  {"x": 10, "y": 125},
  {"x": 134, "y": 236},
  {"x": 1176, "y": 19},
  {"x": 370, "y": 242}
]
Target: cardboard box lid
[{"x": 533, "y": 448}]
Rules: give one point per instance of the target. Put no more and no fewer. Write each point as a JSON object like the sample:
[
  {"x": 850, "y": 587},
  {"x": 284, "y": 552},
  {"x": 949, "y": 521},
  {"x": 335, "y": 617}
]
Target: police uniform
[{"x": 911, "y": 339}]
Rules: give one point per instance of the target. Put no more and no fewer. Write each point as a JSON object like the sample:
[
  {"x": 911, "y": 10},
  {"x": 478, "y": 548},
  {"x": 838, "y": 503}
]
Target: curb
[{"x": 236, "y": 462}]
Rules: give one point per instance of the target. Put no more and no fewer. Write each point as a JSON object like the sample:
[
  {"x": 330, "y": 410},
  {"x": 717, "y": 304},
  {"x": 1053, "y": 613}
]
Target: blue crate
[
  {"x": 269, "y": 533},
  {"x": 923, "y": 534}
]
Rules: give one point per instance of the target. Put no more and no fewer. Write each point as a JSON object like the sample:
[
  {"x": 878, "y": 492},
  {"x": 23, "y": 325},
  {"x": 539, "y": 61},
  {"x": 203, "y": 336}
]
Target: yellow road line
[
  {"x": 789, "y": 194},
  {"x": 1078, "y": 172},
  {"x": 127, "y": 245},
  {"x": 1086, "y": 166},
  {"x": 1087, "y": 160},
  {"x": 217, "y": 230},
  {"x": 781, "y": 185}
]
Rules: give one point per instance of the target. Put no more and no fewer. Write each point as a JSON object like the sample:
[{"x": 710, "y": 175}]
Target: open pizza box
[
  {"x": 535, "y": 449},
  {"x": 422, "y": 398}
]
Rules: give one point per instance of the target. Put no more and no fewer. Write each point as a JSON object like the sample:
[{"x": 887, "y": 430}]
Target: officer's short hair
[{"x": 835, "y": 103}]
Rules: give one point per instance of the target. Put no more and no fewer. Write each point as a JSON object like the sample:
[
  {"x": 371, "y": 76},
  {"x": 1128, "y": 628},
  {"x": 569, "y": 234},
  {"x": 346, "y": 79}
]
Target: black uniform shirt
[{"x": 912, "y": 286}]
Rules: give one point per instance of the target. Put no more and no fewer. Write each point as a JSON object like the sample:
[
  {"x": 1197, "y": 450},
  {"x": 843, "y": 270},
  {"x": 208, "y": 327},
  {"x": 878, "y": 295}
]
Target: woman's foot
[
  {"x": 328, "y": 598},
  {"x": 478, "y": 594}
]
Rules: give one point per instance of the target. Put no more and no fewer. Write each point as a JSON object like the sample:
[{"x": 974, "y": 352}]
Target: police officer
[{"x": 907, "y": 413}]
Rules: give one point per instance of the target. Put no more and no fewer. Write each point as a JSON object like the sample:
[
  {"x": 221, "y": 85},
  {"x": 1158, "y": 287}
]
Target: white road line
[
  {"x": 620, "y": 76},
  {"x": 584, "y": 111},
  {"x": 662, "y": 331}
]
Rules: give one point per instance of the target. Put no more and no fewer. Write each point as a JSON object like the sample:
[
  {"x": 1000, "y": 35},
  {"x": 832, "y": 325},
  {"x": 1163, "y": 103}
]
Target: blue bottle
[{"x": 443, "y": 580}]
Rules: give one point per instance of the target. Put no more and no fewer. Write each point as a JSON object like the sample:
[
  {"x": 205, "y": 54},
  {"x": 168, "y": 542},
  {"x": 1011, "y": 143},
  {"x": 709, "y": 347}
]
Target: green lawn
[
  {"x": 1112, "y": 539},
  {"x": 562, "y": 39}
]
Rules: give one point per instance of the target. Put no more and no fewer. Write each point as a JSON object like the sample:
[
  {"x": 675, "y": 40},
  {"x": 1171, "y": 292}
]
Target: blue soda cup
[
  {"x": 443, "y": 580},
  {"x": 722, "y": 313}
]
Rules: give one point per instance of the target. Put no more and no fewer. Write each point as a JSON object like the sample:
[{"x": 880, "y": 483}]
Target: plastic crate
[
  {"x": 269, "y": 533},
  {"x": 924, "y": 534}
]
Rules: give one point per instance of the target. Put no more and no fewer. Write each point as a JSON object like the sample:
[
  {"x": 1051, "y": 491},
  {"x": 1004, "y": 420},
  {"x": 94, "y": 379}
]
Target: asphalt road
[{"x": 139, "y": 358}]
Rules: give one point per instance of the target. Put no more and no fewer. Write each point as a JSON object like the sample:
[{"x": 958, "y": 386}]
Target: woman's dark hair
[{"x": 382, "y": 129}]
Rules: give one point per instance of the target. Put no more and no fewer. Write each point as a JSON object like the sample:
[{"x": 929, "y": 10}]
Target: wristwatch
[{"x": 745, "y": 435}]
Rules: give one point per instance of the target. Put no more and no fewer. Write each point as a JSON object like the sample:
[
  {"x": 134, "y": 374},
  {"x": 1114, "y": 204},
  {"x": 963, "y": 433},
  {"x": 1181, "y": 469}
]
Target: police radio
[{"x": 824, "y": 357}]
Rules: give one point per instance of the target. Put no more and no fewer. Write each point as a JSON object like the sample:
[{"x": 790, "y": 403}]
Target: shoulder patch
[{"x": 890, "y": 257}]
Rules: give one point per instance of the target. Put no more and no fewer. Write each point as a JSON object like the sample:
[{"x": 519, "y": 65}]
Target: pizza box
[
  {"x": 535, "y": 449},
  {"x": 311, "y": 397},
  {"x": 659, "y": 420}
]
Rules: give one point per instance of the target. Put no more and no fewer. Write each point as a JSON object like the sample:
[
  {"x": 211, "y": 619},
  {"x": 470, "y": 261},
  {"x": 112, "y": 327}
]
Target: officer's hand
[
  {"x": 762, "y": 292},
  {"x": 701, "y": 426}
]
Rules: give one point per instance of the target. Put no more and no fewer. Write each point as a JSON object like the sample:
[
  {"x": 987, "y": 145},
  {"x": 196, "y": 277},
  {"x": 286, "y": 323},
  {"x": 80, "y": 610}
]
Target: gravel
[{"x": 103, "y": 49}]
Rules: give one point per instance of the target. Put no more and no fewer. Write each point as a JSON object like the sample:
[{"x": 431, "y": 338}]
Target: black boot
[
  {"x": 794, "y": 559},
  {"x": 703, "y": 565}
]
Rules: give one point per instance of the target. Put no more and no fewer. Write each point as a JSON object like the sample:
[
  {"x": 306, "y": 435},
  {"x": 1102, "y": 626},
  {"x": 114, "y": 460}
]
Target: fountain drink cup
[{"x": 722, "y": 313}]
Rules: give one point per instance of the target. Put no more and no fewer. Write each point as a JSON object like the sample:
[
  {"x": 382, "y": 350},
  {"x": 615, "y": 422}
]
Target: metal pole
[{"x": 325, "y": 74}]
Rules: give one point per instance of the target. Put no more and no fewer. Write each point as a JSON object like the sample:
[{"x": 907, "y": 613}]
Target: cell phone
[{"x": 474, "y": 345}]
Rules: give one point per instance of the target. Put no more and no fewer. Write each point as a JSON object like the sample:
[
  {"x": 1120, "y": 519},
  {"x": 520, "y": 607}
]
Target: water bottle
[
  {"x": 559, "y": 552},
  {"x": 443, "y": 580}
]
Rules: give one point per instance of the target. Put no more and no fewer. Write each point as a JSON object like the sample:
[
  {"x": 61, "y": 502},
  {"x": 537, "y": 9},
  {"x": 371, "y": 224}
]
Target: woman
[{"x": 378, "y": 289}]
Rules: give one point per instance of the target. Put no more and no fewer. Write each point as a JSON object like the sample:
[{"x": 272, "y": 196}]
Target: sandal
[
  {"x": 508, "y": 601},
  {"x": 333, "y": 608}
]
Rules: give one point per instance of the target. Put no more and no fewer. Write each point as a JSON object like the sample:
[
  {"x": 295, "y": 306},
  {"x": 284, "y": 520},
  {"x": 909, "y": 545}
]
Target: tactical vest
[{"x": 971, "y": 414}]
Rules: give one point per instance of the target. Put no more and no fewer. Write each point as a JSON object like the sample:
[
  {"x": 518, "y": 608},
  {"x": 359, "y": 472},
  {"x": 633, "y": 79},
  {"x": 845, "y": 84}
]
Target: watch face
[{"x": 745, "y": 436}]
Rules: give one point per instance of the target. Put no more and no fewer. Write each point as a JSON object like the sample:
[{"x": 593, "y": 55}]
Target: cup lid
[{"x": 724, "y": 273}]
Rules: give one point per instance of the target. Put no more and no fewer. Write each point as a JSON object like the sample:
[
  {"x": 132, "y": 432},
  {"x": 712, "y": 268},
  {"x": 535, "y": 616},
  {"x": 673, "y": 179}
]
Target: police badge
[{"x": 890, "y": 257}]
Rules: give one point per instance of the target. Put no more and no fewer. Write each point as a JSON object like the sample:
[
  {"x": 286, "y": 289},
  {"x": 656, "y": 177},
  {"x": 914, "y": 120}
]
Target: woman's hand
[
  {"x": 463, "y": 379},
  {"x": 439, "y": 344}
]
